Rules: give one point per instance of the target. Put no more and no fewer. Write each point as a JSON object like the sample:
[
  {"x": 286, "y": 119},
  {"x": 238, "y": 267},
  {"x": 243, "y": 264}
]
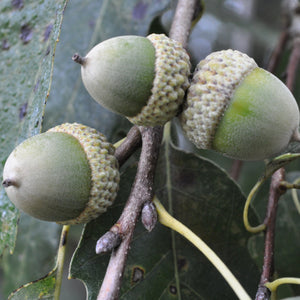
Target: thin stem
[
  {"x": 295, "y": 195},
  {"x": 247, "y": 225},
  {"x": 167, "y": 141},
  {"x": 119, "y": 143},
  {"x": 294, "y": 185},
  {"x": 166, "y": 219},
  {"x": 9, "y": 182},
  {"x": 78, "y": 59},
  {"x": 60, "y": 260},
  {"x": 272, "y": 286}
]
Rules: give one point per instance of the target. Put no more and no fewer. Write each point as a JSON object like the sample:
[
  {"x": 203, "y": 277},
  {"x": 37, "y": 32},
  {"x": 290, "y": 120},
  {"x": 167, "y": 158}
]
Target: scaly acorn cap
[
  {"x": 142, "y": 78},
  {"x": 68, "y": 174},
  {"x": 239, "y": 109}
]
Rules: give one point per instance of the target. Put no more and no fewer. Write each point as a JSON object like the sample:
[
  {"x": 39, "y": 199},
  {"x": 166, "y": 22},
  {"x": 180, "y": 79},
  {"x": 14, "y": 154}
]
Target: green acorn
[
  {"x": 142, "y": 78},
  {"x": 68, "y": 175},
  {"x": 239, "y": 109}
]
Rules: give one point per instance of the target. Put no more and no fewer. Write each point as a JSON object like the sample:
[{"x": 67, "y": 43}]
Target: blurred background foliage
[{"x": 251, "y": 26}]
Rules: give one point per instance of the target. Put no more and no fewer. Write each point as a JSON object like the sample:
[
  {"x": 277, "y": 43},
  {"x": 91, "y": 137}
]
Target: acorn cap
[
  {"x": 67, "y": 174},
  {"x": 239, "y": 109},
  {"x": 172, "y": 71},
  {"x": 144, "y": 79}
]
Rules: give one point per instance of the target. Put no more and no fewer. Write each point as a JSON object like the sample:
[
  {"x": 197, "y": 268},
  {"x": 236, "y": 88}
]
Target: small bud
[
  {"x": 149, "y": 216},
  {"x": 108, "y": 242}
]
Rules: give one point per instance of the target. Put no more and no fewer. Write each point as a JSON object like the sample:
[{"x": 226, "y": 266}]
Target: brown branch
[
  {"x": 293, "y": 63},
  {"x": 132, "y": 142},
  {"x": 142, "y": 191},
  {"x": 182, "y": 22},
  {"x": 273, "y": 62},
  {"x": 236, "y": 168},
  {"x": 276, "y": 191}
]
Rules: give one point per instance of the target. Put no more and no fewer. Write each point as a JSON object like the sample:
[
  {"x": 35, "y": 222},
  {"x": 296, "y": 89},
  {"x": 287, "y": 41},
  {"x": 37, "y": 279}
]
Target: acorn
[
  {"x": 67, "y": 175},
  {"x": 239, "y": 109},
  {"x": 142, "y": 78}
]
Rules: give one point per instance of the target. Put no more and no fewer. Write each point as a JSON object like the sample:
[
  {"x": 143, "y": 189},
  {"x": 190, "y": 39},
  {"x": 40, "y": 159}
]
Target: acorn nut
[
  {"x": 68, "y": 174},
  {"x": 239, "y": 109},
  {"x": 142, "y": 78}
]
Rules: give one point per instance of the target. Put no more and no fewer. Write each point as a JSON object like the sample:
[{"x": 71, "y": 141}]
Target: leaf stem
[
  {"x": 295, "y": 195},
  {"x": 119, "y": 143},
  {"x": 60, "y": 260},
  {"x": 167, "y": 141},
  {"x": 272, "y": 286},
  {"x": 166, "y": 219},
  {"x": 247, "y": 225},
  {"x": 78, "y": 59}
]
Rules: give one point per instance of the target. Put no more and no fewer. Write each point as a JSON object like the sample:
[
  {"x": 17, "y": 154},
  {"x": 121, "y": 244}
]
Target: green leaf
[
  {"x": 40, "y": 289},
  {"x": 205, "y": 199},
  {"x": 28, "y": 32},
  {"x": 84, "y": 23},
  {"x": 34, "y": 253}
]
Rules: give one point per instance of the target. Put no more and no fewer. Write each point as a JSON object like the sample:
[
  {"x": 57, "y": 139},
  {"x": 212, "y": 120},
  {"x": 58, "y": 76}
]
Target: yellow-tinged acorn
[
  {"x": 67, "y": 175},
  {"x": 239, "y": 109},
  {"x": 142, "y": 78}
]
